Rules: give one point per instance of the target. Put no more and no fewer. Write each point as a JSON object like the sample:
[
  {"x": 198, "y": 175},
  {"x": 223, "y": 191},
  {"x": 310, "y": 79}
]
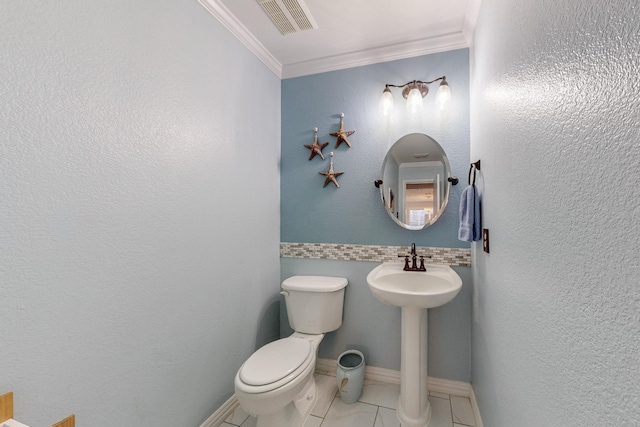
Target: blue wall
[
  {"x": 353, "y": 213},
  {"x": 556, "y": 312}
]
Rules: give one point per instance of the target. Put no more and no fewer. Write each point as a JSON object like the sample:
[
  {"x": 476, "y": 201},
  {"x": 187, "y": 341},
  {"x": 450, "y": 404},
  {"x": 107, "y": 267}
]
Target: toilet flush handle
[{"x": 285, "y": 293}]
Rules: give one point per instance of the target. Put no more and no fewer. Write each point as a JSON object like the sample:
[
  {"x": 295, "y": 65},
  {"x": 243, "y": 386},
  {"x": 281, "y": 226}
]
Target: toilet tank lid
[{"x": 314, "y": 283}]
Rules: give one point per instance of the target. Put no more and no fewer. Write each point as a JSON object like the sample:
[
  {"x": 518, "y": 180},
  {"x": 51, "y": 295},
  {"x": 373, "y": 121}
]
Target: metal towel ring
[{"x": 474, "y": 166}]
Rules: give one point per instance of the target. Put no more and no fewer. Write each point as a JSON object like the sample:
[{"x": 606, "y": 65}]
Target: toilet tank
[{"x": 314, "y": 303}]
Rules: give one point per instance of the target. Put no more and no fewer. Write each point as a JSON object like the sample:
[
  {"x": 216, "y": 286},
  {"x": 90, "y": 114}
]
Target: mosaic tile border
[{"x": 346, "y": 252}]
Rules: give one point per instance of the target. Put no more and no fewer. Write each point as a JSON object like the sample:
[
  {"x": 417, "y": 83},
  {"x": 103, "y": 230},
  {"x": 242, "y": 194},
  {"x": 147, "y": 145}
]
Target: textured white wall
[
  {"x": 555, "y": 119},
  {"x": 139, "y": 221}
]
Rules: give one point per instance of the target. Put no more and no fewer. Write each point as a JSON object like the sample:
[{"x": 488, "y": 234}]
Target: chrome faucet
[{"x": 414, "y": 260}]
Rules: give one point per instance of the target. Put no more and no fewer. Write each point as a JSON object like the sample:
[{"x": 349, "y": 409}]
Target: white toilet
[{"x": 276, "y": 383}]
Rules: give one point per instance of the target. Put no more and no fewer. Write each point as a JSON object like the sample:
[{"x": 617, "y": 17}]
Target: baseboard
[
  {"x": 476, "y": 410},
  {"x": 441, "y": 385},
  {"x": 328, "y": 366},
  {"x": 217, "y": 418},
  {"x": 390, "y": 376}
]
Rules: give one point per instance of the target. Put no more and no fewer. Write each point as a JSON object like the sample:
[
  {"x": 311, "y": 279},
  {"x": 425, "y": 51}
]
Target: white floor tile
[
  {"x": 375, "y": 408},
  {"x": 354, "y": 415},
  {"x": 381, "y": 394},
  {"x": 440, "y": 395},
  {"x": 462, "y": 411},
  {"x": 440, "y": 413},
  {"x": 250, "y": 422},
  {"x": 312, "y": 421},
  {"x": 237, "y": 417},
  {"x": 386, "y": 418},
  {"x": 327, "y": 388}
]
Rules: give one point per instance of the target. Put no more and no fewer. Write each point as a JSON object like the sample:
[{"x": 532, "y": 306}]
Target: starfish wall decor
[
  {"x": 342, "y": 134},
  {"x": 315, "y": 147},
  {"x": 330, "y": 175}
]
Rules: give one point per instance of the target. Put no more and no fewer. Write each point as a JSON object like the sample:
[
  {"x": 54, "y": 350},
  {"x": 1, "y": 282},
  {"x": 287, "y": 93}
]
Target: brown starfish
[
  {"x": 331, "y": 174},
  {"x": 315, "y": 147},
  {"x": 342, "y": 134}
]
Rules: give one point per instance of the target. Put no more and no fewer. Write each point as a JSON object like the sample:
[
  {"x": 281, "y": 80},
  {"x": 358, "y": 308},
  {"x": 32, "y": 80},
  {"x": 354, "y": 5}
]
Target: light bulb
[
  {"x": 414, "y": 100},
  {"x": 443, "y": 95},
  {"x": 386, "y": 102}
]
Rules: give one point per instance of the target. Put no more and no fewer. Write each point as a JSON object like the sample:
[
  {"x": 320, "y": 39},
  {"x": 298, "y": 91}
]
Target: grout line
[
  {"x": 451, "y": 411},
  {"x": 385, "y": 376}
]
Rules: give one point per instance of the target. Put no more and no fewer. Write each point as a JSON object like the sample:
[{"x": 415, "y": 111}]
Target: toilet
[{"x": 276, "y": 383}]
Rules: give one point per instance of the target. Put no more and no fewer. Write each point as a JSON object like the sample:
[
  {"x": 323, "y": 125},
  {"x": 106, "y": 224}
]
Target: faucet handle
[
  {"x": 406, "y": 260},
  {"x": 422, "y": 257}
]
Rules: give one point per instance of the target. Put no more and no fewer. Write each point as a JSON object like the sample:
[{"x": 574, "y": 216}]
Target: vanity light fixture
[{"x": 413, "y": 92}]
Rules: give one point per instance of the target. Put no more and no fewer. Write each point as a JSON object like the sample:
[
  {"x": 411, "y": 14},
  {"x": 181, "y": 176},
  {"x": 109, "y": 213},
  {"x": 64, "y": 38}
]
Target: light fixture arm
[
  {"x": 414, "y": 90},
  {"x": 422, "y": 86},
  {"x": 418, "y": 81}
]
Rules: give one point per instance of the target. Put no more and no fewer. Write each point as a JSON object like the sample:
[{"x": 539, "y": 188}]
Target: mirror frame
[{"x": 447, "y": 186}]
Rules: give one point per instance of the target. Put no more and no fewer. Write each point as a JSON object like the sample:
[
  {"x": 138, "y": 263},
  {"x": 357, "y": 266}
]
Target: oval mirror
[{"x": 415, "y": 185}]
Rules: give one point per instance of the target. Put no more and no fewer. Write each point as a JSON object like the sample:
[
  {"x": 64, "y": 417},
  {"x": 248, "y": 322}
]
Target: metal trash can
[{"x": 350, "y": 373}]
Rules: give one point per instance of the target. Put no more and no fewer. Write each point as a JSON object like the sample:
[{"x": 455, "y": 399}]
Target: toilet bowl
[{"x": 276, "y": 383}]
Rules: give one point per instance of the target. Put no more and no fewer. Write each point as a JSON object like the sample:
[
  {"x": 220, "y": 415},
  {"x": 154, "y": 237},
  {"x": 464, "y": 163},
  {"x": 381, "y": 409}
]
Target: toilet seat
[{"x": 275, "y": 365}]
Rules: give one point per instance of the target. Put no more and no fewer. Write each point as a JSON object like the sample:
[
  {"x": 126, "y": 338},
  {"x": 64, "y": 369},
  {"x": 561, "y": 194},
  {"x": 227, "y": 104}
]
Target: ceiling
[{"x": 350, "y": 33}]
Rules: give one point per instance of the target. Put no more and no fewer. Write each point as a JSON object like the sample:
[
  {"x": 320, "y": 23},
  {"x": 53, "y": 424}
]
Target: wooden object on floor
[
  {"x": 6, "y": 412},
  {"x": 6, "y": 406},
  {"x": 70, "y": 421}
]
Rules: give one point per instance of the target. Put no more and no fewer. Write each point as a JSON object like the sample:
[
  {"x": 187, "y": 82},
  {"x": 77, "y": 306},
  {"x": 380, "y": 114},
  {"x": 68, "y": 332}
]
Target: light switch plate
[{"x": 485, "y": 240}]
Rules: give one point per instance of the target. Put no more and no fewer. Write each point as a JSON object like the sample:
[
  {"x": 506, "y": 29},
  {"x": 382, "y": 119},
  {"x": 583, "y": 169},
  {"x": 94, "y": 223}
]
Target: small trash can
[{"x": 350, "y": 373}]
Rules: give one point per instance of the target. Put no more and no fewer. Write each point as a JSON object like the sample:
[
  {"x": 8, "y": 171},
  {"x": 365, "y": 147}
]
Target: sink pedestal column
[{"x": 413, "y": 404}]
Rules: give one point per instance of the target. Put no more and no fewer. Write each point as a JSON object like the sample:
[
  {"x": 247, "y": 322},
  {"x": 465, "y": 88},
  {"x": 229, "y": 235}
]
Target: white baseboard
[
  {"x": 390, "y": 376},
  {"x": 476, "y": 410},
  {"x": 441, "y": 385},
  {"x": 217, "y": 418},
  {"x": 328, "y": 366}
]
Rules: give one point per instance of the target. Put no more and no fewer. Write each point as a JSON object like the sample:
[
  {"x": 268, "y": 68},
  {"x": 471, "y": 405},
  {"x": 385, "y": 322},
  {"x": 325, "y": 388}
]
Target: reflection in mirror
[{"x": 415, "y": 186}]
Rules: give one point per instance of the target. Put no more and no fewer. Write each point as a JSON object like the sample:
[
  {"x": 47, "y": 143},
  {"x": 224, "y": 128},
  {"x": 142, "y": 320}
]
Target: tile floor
[{"x": 375, "y": 408}]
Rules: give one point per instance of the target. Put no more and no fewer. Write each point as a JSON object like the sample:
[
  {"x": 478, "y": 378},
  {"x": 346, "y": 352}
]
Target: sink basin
[
  {"x": 421, "y": 289},
  {"x": 414, "y": 292}
]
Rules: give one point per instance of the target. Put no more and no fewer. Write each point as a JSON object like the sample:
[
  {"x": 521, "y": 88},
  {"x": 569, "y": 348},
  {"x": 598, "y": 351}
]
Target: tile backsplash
[{"x": 338, "y": 251}]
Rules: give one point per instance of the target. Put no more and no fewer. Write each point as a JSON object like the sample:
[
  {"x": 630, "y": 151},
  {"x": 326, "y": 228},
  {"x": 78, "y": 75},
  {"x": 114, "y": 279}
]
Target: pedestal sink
[{"x": 414, "y": 292}]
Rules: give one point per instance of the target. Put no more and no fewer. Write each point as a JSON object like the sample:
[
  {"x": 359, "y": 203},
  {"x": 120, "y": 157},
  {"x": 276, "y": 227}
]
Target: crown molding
[
  {"x": 471, "y": 19},
  {"x": 231, "y": 23},
  {"x": 441, "y": 43}
]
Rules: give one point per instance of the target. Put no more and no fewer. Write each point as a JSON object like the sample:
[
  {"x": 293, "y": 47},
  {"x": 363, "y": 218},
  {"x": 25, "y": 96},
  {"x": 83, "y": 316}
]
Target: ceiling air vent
[{"x": 290, "y": 16}]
